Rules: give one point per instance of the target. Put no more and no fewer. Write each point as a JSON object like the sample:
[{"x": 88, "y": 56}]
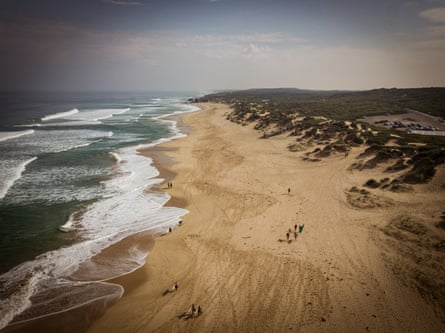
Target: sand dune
[{"x": 231, "y": 255}]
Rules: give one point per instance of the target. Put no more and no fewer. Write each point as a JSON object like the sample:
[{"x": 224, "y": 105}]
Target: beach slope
[{"x": 231, "y": 255}]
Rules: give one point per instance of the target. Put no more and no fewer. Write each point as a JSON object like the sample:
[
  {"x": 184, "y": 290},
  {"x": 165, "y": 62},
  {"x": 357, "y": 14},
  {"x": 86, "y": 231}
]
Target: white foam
[
  {"x": 84, "y": 117},
  {"x": 29, "y": 125},
  {"x": 60, "y": 115},
  {"x": 60, "y": 180},
  {"x": 47, "y": 269},
  {"x": 68, "y": 226},
  {"x": 54, "y": 141},
  {"x": 17, "y": 173},
  {"x": 40, "y": 275},
  {"x": 116, "y": 112},
  {"x": 69, "y": 123},
  {"x": 173, "y": 127},
  {"x": 127, "y": 209},
  {"x": 105, "y": 267},
  {"x": 13, "y": 135},
  {"x": 138, "y": 255},
  {"x": 116, "y": 157},
  {"x": 19, "y": 300},
  {"x": 143, "y": 105},
  {"x": 183, "y": 109},
  {"x": 89, "y": 293},
  {"x": 80, "y": 145},
  {"x": 96, "y": 115}
]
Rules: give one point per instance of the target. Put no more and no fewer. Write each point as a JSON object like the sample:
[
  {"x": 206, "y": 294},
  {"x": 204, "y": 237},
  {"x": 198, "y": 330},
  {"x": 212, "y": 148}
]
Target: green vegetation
[
  {"x": 419, "y": 162},
  {"x": 328, "y": 120},
  {"x": 424, "y": 164},
  {"x": 354, "y": 189},
  {"x": 372, "y": 183},
  {"x": 383, "y": 183},
  {"x": 340, "y": 105}
]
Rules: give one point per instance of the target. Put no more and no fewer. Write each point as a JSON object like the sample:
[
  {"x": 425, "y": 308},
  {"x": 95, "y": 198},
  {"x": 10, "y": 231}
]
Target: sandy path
[{"x": 230, "y": 256}]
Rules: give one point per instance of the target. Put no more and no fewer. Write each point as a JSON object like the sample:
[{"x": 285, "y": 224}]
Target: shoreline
[
  {"x": 230, "y": 255},
  {"x": 230, "y": 258},
  {"x": 81, "y": 316},
  {"x": 162, "y": 162}
]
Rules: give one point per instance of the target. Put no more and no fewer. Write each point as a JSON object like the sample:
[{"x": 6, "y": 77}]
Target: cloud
[
  {"x": 99, "y": 59},
  {"x": 264, "y": 38},
  {"x": 227, "y": 46},
  {"x": 253, "y": 51},
  {"x": 435, "y": 32},
  {"x": 276, "y": 37},
  {"x": 434, "y": 15},
  {"x": 124, "y": 2}
]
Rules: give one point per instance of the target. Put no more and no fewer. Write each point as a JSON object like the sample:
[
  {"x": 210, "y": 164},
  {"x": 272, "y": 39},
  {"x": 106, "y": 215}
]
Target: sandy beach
[{"x": 350, "y": 270}]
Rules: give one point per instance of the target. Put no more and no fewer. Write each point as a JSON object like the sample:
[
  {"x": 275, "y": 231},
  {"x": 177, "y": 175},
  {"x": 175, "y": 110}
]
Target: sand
[{"x": 344, "y": 273}]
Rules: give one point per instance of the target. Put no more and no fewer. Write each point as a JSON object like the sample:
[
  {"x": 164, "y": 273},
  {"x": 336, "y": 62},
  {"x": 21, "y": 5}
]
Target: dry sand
[{"x": 230, "y": 255}]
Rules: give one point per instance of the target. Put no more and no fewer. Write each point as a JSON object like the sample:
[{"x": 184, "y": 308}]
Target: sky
[{"x": 154, "y": 45}]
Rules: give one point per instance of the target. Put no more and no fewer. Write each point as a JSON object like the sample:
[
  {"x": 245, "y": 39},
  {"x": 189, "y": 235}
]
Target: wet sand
[{"x": 231, "y": 255}]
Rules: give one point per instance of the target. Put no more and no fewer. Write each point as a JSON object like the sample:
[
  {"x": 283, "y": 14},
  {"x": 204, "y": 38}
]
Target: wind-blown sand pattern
[{"x": 346, "y": 271}]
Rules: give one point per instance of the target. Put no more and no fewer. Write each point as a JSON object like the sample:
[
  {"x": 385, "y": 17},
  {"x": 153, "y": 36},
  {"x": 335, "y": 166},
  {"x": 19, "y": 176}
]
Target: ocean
[{"x": 71, "y": 185}]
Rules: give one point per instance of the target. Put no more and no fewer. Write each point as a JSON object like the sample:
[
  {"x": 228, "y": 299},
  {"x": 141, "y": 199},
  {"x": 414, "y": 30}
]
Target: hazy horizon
[
  {"x": 208, "y": 45},
  {"x": 203, "y": 91}
]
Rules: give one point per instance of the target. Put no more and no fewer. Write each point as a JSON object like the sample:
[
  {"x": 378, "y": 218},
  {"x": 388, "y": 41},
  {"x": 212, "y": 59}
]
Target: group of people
[
  {"x": 298, "y": 229},
  {"x": 170, "y": 229},
  {"x": 192, "y": 312},
  {"x": 195, "y": 311}
]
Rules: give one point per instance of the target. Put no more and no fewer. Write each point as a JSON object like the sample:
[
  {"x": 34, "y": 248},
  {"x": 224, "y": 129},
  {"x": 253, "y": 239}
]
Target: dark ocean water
[{"x": 72, "y": 183}]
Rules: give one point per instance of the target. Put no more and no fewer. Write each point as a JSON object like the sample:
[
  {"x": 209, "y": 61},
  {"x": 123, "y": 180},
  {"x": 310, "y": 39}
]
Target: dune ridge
[{"x": 231, "y": 255}]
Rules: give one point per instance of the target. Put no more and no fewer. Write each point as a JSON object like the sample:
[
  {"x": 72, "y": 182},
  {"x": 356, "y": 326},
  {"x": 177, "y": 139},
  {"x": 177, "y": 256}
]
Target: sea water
[{"x": 71, "y": 184}]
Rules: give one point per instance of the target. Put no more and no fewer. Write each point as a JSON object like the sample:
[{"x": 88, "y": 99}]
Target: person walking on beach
[
  {"x": 172, "y": 289},
  {"x": 287, "y": 236},
  {"x": 288, "y": 190},
  {"x": 301, "y": 228},
  {"x": 295, "y": 235},
  {"x": 195, "y": 313},
  {"x": 190, "y": 313},
  {"x": 199, "y": 310},
  {"x": 295, "y": 227}
]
